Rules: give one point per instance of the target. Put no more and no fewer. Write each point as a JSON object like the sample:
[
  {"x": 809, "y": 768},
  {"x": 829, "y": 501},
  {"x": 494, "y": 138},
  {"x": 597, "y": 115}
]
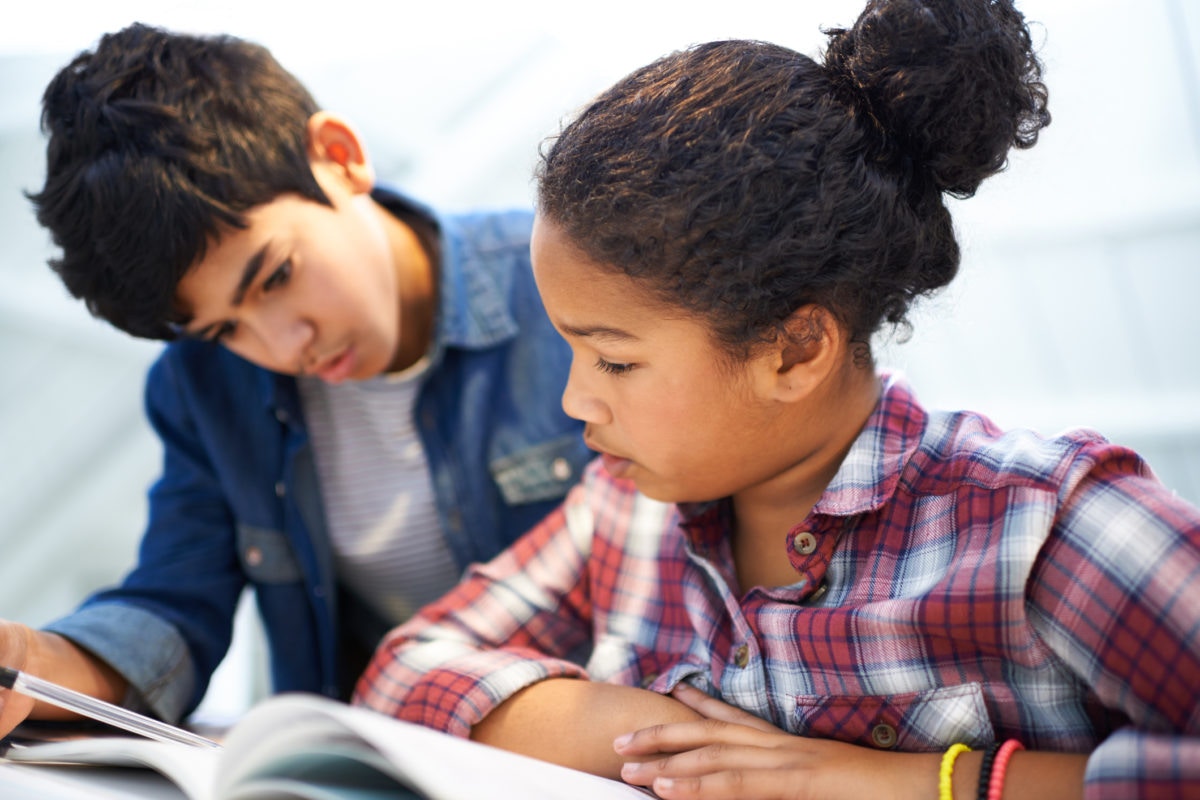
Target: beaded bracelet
[
  {"x": 946, "y": 773},
  {"x": 985, "y": 771},
  {"x": 1000, "y": 766}
]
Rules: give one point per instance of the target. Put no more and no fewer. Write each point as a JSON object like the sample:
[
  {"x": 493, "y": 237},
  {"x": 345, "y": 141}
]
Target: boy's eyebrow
[
  {"x": 253, "y": 266},
  {"x": 249, "y": 273},
  {"x": 599, "y": 332}
]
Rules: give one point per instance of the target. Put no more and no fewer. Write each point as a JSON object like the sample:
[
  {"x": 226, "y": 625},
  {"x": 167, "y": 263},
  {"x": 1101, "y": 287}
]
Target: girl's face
[{"x": 661, "y": 401}]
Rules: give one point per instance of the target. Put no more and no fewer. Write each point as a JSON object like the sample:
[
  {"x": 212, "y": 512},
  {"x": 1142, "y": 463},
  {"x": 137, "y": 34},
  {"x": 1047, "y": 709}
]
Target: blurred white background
[{"x": 1075, "y": 305}]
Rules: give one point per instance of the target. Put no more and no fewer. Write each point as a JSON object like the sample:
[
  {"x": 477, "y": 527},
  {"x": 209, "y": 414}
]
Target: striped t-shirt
[{"x": 379, "y": 504}]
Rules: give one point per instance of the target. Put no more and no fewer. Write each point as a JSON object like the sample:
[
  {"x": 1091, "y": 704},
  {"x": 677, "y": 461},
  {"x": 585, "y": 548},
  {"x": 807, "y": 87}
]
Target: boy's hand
[
  {"x": 733, "y": 754},
  {"x": 54, "y": 658},
  {"x": 14, "y": 652}
]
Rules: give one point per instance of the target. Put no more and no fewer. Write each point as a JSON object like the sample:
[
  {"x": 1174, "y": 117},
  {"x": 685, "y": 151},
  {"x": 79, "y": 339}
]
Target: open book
[{"x": 306, "y": 747}]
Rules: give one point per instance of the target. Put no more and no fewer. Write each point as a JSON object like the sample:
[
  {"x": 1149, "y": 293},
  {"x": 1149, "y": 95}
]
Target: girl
[{"x": 784, "y": 577}]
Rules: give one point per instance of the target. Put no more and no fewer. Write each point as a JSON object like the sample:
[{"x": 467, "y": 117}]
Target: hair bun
[{"x": 951, "y": 85}]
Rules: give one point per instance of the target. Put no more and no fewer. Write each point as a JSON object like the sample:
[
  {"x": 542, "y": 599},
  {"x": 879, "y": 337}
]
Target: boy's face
[
  {"x": 304, "y": 289},
  {"x": 662, "y": 403}
]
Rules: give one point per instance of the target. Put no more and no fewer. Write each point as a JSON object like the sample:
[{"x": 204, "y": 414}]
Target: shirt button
[
  {"x": 741, "y": 656},
  {"x": 560, "y": 469},
  {"x": 820, "y": 591},
  {"x": 280, "y": 489},
  {"x": 254, "y": 556},
  {"x": 883, "y": 735},
  {"x": 805, "y": 543}
]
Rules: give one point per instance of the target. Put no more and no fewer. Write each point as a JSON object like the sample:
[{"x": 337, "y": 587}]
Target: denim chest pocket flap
[
  {"x": 266, "y": 556},
  {"x": 928, "y": 721},
  {"x": 542, "y": 472}
]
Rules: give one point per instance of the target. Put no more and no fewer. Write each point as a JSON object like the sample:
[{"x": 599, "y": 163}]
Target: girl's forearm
[{"x": 573, "y": 722}]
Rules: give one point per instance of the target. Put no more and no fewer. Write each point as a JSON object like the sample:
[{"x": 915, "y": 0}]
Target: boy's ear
[
  {"x": 809, "y": 349},
  {"x": 335, "y": 146}
]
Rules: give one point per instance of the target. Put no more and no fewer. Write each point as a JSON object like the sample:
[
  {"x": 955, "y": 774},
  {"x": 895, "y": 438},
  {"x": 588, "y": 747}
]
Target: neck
[
  {"x": 822, "y": 435},
  {"x": 416, "y": 284}
]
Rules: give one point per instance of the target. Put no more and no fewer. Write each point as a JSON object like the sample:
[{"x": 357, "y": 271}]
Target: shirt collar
[
  {"x": 871, "y": 470},
  {"x": 473, "y": 312}
]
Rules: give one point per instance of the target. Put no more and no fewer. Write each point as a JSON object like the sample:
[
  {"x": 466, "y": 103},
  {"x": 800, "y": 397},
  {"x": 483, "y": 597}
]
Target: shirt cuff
[{"x": 145, "y": 650}]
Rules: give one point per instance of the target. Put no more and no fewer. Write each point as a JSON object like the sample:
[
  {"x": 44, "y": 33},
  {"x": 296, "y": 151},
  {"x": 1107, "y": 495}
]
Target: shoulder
[{"x": 967, "y": 447}]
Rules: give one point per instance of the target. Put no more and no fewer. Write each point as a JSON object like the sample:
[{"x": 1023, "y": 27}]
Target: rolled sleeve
[{"x": 146, "y": 650}]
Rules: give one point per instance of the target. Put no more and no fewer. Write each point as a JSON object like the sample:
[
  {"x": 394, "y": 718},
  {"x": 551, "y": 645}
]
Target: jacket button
[
  {"x": 805, "y": 543},
  {"x": 741, "y": 656},
  {"x": 560, "y": 469},
  {"x": 280, "y": 489},
  {"x": 254, "y": 556},
  {"x": 281, "y": 415},
  {"x": 884, "y": 735}
]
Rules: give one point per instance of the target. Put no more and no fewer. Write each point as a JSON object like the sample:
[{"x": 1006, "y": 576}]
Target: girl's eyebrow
[{"x": 599, "y": 332}]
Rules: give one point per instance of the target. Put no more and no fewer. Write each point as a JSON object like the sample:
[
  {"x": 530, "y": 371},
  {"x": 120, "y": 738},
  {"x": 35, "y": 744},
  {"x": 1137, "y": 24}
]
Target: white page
[
  {"x": 192, "y": 768},
  {"x": 47, "y": 782},
  {"x": 432, "y": 761}
]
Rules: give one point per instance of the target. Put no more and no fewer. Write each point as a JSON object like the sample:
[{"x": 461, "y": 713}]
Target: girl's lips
[
  {"x": 617, "y": 467},
  {"x": 339, "y": 368}
]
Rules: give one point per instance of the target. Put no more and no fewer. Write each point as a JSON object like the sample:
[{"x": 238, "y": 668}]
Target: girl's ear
[
  {"x": 809, "y": 349},
  {"x": 334, "y": 146}
]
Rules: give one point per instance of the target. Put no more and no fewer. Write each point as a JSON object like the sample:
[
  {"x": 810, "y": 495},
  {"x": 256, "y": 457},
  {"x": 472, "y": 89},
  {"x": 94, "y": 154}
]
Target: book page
[
  {"x": 303, "y": 737},
  {"x": 190, "y": 768}
]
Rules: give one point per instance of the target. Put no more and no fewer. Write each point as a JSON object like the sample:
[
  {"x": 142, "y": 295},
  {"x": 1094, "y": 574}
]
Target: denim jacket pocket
[
  {"x": 542, "y": 472},
  {"x": 266, "y": 556},
  {"x": 928, "y": 721}
]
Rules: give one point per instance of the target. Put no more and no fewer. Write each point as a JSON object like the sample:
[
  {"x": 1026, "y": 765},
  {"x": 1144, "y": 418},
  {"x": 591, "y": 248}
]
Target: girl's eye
[
  {"x": 279, "y": 277},
  {"x": 609, "y": 368}
]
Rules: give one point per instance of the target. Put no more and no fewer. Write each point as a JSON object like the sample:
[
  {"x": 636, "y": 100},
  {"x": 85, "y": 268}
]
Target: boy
[{"x": 359, "y": 399}]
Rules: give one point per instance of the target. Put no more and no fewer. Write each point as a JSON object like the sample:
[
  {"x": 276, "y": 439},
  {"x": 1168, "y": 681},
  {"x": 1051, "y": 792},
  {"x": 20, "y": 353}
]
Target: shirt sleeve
[
  {"x": 1116, "y": 594},
  {"x": 510, "y": 623},
  {"x": 169, "y": 623}
]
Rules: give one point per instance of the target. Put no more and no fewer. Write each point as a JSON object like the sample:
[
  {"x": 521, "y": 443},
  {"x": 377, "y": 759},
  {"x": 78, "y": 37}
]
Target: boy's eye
[
  {"x": 279, "y": 277},
  {"x": 222, "y": 331},
  {"x": 611, "y": 368}
]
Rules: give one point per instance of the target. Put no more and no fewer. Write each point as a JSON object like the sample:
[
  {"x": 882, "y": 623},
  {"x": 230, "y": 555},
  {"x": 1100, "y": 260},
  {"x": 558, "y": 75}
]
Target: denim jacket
[{"x": 238, "y": 503}]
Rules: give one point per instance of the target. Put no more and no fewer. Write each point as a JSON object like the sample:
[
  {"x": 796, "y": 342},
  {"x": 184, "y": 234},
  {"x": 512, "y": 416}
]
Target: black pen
[{"x": 91, "y": 707}]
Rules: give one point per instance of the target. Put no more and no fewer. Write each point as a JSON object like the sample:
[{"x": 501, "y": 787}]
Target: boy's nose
[{"x": 288, "y": 340}]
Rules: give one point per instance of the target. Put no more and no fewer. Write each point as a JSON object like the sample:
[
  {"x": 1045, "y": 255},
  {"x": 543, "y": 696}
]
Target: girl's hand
[{"x": 733, "y": 754}]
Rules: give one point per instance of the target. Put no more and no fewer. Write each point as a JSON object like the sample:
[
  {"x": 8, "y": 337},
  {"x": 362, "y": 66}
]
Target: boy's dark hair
[
  {"x": 743, "y": 180},
  {"x": 158, "y": 141}
]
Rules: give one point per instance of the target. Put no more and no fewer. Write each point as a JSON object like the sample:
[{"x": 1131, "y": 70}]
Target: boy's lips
[{"x": 337, "y": 368}]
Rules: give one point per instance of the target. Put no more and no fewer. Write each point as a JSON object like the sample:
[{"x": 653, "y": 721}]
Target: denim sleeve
[
  {"x": 147, "y": 651},
  {"x": 167, "y": 626}
]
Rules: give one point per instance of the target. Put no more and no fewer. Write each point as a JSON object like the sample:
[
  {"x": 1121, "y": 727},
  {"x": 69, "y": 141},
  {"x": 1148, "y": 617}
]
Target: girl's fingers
[
  {"x": 722, "y": 771},
  {"x": 677, "y": 737},
  {"x": 712, "y": 708}
]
